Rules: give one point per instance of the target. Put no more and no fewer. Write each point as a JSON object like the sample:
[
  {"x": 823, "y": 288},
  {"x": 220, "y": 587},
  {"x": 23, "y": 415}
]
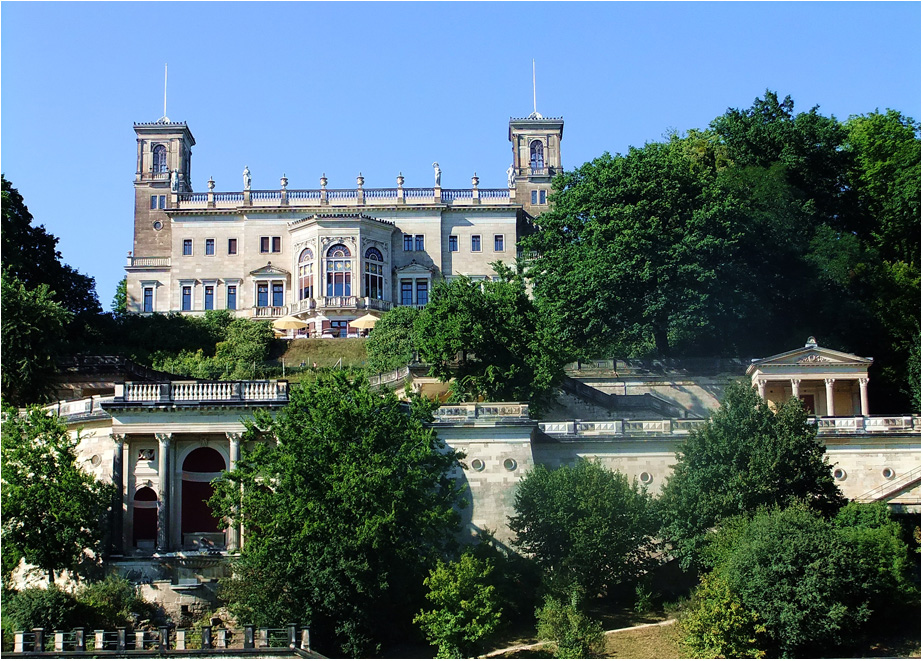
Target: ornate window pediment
[{"x": 268, "y": 271}]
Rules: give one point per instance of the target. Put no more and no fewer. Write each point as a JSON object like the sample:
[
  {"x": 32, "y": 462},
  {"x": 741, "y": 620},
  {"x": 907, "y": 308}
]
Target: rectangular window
[
  {"x": 278, "y": 294},
  {"x": 541, "y": 197},
  {"x": 476, "y": 243},
  {"x": 187, "y": 298},
  {"x": 277, "y": 244},
  {"x": 408, "y": 242},
  {"x": 422, "y": 292},
  {"x": 406, "y": 292},
  {"x": 209, "y": 246},
  {"x": 153, "y": 201},
  {"x": 148, "y": 300},
  {"x": 209, "y": 297},
  {"x": 187, "y": 246},
  {"x": 535, "y": 197},
  {"x": 232, "y": 297},
  {"x": 498, "y": 243},
  {"x": 264, "y": 244},
  {"x": 232, "y": 246},
  {"x": 453, "y": 243},
  {"x": 418, "y": 242},
  {"x": 262, "y": 295},
  {"x": 163, "y": 201},
  {"x": 339, "y": 328}
]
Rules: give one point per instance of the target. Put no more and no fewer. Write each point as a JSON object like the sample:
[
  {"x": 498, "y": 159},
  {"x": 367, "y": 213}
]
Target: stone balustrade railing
[
  {"x": 141, "y": 262},
  {"x": 471, "y": 411},
  {"x": 682, "y": 426},
  {"x": 340, "y": 197},
  {"x": 79, "y": 407},
  {"x": 289, "y": 641},
  {"x": 200, "y": 391}
]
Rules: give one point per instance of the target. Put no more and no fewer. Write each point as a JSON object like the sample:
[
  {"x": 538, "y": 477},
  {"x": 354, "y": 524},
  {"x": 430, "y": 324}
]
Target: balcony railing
[
  {"x": 200, "y": 391},
  {"x": 475, "y": 411},
  {"x": 147, "y": 262}
]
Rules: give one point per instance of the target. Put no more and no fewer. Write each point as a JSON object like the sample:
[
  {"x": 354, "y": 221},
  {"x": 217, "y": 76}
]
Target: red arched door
[
  {"x": 144, "y": 518},
  {"x": 200, "y": 467}
]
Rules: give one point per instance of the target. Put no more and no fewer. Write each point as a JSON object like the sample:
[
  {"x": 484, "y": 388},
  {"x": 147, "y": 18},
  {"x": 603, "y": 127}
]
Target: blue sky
[{"x": 381, "y": 88}]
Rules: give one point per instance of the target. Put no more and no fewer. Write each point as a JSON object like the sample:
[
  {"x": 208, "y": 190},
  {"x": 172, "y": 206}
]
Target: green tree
[
  {"x": 394, "y": 339},
  {"x": 33, "y": 329},
  {"x": 30, "y": 253},
  {"x": 646, "y": 253},
  {"x": 801, "y": 575},
  {"x": 490, "y": 337},
  {"x": 465, "y": 607},
  {"x": 584, "y": 525},
  {"x": 53, "y": 512},
  {"x": 745, "y": 457},
  {"x": 575, "y": 635},
  {"x": 348, "y": 502},
  {"x": 120, "y": 300},
  {"x": 716, "y": 625}
]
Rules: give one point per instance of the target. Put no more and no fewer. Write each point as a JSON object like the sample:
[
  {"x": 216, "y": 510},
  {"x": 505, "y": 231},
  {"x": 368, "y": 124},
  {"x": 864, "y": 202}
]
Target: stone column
[
  {"x": 864, "y": 395},
  {"x": 829, "y": 385},
  {"x": 761, "y": 388},
  {"x": 163, "y": 503},
  {"x": 234, "y": 528},
  {"x": 796, "y": 388},
  {"x": 117, "y": 543}
]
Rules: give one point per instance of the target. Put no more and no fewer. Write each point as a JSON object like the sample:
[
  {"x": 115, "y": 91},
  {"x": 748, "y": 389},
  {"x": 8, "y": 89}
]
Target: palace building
[{"x": 325, "y": 255}]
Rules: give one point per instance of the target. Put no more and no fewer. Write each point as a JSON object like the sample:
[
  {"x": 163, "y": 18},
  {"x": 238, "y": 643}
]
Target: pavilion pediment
[
  {"x": 810, "y": 358},
  {"x": 414, "y": 268}
]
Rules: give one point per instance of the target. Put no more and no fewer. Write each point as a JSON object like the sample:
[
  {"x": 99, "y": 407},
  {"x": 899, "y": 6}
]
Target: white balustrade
[{"x": 142, "y": 392}]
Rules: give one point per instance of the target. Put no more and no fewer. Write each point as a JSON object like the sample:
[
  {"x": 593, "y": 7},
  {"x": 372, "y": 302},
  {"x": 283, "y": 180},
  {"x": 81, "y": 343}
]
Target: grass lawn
[{"x": 325, "y": 353}]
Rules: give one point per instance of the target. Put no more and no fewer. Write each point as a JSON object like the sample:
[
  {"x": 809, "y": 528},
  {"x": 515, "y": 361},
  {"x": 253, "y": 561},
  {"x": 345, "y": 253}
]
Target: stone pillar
[
  {"x": 163, "y": 502},
  {"x": 830, "y": 406},
  {"x": 117, "y": 543},
  {"x": 234, "y": 528},
  {"x": 796, "y": 388},
  {"x": 864, "y": 395},
  {"x": 58, "y": 640},
  {"x": 761, "y": 388},
  {"x": 99, "y": 639}
]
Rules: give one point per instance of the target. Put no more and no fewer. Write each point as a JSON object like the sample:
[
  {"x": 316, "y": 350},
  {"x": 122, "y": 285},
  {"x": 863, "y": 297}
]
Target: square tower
[{"x": 536, "y": 159}]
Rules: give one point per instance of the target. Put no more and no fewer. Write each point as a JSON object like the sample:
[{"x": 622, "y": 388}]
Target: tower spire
[
  {"x": 164, "y": 118},
  {"x": 534, "y": 114}
]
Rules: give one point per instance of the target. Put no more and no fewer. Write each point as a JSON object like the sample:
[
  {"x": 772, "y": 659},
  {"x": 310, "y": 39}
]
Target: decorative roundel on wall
[
  {"x": 509, "y": 464},
  {"x": 839, "y": 474},
  {"x": 96, "y": 460},
  {"x": 477, "y": 464},
  {"x": 646, "y": 478},
  {"x": 158, "y": 225},
  {"x": 887, "y": 473}
]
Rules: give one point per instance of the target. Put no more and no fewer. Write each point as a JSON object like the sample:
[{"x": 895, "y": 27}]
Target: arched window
[
  {"x": 144, "y": 518},
  {"x": 160, "y": 158},
  {"x": 374, "y": 274},
  {"x": 537, "y": 151},
  {"x": 200, "y": 467},
  {"x": 339, "y": 271},
  {"x": 306, "y": 275}
]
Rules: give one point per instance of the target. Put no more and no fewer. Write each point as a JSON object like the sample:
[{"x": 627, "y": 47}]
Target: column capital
[
  {"x": 863, "y": 381},
  {"x": 234, "y": 436},
  {"x": 164, "y": 439},
  {"x": 118, "y": 439},
  {"x": 829, "y": 381},
  {"x": 795, "y": 381}
]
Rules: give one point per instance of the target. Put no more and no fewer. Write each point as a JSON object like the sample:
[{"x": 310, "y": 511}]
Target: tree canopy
[
  {"x": 394, "y": 339},
  {"x": 348, "y": 501},
  {"x": 585, "y": 525},
  {"x": 490, "y": 337},
  {"x": 746, "y": 457},
  {"x": 53, "y": 511},
  {"x": 765, "y": 227}
]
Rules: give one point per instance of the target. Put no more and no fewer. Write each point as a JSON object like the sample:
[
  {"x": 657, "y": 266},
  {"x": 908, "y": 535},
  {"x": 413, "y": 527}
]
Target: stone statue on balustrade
[
  {"x": 511, "y": 176},
  {"x": 246, "y": 177},
  {"x": 174, "y": 180},
  {"x": 438, "y": 173}
]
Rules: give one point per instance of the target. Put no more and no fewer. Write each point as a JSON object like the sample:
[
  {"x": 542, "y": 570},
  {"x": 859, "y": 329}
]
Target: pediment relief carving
[
  {"x": 269, "y": 269},
  {"x": 414, "y": 267}
]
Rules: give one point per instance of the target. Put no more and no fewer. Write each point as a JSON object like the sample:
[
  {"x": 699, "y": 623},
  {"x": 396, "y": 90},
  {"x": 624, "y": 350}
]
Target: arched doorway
[
  {"x": 144, "y": 518},
  {"x": 200, "y": 467}
]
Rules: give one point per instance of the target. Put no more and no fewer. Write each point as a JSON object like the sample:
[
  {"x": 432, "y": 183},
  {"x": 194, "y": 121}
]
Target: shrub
[
  {"x": 715, "y": 624},
  {"x": 110, "y": 603},
  {"x": 575, "y": 635},
  {"x": 465, "y": 606},
  {"x": 50, "y": 609}
]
